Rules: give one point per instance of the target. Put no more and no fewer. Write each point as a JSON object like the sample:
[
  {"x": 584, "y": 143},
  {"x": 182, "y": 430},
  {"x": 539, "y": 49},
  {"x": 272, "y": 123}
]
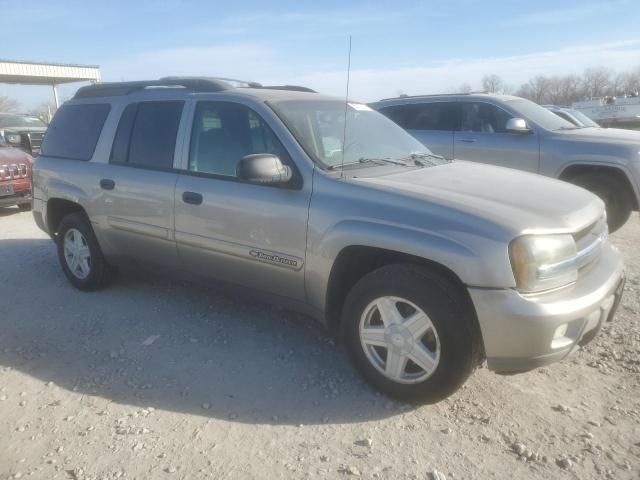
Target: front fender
[{"x": 486, "y": 265}]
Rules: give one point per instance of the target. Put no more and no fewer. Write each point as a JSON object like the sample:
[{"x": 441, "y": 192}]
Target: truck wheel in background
[
  {"x": 79, "y": 253},
  {"x": 24, "y": 207},
  {"x": 410, "y": 332},
  {"x": 615, "y": 194}
]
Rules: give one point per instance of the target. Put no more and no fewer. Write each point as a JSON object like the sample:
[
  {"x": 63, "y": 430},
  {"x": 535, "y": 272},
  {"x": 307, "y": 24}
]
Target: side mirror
[
  {"x": 517, "y": 125},
  {"x": 263, "y": 168}
]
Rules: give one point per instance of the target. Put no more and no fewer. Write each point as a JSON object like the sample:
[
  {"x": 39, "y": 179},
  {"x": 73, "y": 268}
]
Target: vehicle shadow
[
  {"x": 149, "y": 341},
  {"x": 8, "y": 211}
]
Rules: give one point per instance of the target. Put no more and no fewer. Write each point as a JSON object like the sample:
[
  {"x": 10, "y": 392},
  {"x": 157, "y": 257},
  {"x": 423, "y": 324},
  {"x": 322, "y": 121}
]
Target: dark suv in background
[
  {"x": 514, "y": 132},
  {"x": 22, "y": 131}
]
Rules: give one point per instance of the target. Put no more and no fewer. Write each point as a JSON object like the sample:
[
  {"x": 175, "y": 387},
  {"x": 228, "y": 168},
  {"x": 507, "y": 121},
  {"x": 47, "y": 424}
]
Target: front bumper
[
  {"x": 520, "y": 331},
  {"x": 17, "y": 199}
]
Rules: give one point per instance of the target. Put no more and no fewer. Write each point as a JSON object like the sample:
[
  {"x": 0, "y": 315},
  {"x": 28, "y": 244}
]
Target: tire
[
  {"x": 614, "y": 193},
  {"x": 452, "y": 342},
  {"x": 76, "y": 228},
  {"x": 24, "y": 207}
]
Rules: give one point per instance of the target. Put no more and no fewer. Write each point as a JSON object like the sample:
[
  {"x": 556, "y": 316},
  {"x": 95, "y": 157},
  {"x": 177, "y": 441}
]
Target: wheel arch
[
  {"x": 570, "y": 171},
  {"x": 355, "y": 261},
  {"x": 57, "y": 209}
]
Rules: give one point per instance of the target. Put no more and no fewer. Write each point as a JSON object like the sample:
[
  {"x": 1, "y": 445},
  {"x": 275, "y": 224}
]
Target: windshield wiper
[
  {"x": 417, "y": 158},
  {"x": 369, "y": 160}
]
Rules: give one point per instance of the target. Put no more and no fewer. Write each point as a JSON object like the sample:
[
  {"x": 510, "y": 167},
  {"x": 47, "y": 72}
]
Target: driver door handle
[
  {"x": 467, "y": 140},
  {"x": 192, "y": 198}
]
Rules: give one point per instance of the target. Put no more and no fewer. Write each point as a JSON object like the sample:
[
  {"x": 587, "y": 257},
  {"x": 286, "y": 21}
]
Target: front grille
[
  {"x": 589, "y": 242},
  {"x": 35, "y": 141},
  {"x": 9, "y": 172}
]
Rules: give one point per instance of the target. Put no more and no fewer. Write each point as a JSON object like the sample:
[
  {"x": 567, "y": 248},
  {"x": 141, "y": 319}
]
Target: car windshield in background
[
  {"x": 370, "y": 136},
  {"x": 540, "y": 115},
  {"x": 582, "y": 118},
  {"x": 20, "y": 121}
]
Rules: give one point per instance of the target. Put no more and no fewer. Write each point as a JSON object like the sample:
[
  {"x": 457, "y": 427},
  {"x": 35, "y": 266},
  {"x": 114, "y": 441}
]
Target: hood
[
  {"x": 602, "y": 135},
  {"x": 517, "y": 201}
]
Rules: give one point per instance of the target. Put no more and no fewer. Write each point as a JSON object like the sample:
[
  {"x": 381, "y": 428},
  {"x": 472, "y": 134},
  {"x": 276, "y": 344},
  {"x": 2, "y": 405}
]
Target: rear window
[
  {"x": 74, "y": 131},
  {"x": 424, "y": 116}
]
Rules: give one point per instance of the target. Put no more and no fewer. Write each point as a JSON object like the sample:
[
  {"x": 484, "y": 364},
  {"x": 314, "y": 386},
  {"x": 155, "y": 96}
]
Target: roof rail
[
  {"x": 434, "y": 95},
  {"x": 293, "y": 88},
  {"x": 110, "y": 89}
]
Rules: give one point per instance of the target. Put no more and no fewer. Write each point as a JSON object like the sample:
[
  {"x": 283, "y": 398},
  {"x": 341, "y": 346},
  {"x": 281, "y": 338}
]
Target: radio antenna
[{"x": 346, "y": 105}]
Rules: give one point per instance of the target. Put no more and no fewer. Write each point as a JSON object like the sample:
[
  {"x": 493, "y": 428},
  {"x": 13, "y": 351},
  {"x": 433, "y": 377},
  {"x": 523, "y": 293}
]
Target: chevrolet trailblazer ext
[{"x": 424, "y": 266}]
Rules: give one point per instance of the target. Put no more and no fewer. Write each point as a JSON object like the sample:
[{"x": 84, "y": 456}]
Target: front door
[
  {"x": 482, "y": 137},
  {"x": 251, "y": 235}
]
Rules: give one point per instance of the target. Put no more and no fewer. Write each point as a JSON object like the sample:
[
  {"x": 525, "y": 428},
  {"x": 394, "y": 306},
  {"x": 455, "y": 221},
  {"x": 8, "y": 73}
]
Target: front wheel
[
  {"x": 411, "y": 333},
  {"x": 80, "y": 255},
  {"x": 614, "y": 193}
]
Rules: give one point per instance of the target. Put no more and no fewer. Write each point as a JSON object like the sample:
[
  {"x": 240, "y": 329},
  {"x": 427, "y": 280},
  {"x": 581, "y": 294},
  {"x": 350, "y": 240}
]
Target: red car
[{"x": 15, "y": 178}]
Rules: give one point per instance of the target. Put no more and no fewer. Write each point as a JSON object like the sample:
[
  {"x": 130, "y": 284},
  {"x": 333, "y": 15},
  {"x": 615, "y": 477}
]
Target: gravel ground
[{"x": 157, "y": 379}]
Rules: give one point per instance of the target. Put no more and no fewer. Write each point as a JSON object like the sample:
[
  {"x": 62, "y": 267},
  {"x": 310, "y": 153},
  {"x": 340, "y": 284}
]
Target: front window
[
  {"x": 539, "y": 115},
  {"x": 20, "y": 121},
  {"x": 583, "y": 119},
  {"x": 319, "y": 126}
]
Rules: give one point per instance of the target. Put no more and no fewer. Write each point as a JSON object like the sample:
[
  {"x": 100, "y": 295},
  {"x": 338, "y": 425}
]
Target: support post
[{"x": 55, "y": 95}]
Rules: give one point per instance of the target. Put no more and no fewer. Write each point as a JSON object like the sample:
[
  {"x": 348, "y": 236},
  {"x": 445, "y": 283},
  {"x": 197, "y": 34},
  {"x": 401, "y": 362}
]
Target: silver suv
[
  {"x": 517, "y": 133},
  {"x": 423, "y": 266}
]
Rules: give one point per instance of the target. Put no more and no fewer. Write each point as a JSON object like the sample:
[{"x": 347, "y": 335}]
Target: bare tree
[
  {"x": 595, "y": 81},
  {"x": 8, "y": 104},
  {"x": 44, "y": 111},
  {"x": 465, "y": 88},
  {"x": 492, "y": 83}
]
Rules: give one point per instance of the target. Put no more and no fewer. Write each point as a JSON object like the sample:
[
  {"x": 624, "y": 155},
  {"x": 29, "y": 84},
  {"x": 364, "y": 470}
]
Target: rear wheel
[
  {"x": 614, "y": 193},
  {"x": 24, "y": 207},
  {"x": 410, "y": 332},
  {"x": 80, "y": 255}
]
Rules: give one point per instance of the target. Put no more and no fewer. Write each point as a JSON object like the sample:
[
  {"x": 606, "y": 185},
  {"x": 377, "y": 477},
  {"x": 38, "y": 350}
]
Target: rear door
[
  {"x": 137, "y": 200},
  {"x": 247, "y": 234},
  {"x": 482, "y": 137},
  {"x": 432, "y": 123}
]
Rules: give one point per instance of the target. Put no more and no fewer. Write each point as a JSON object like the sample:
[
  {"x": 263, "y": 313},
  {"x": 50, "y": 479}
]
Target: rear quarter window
[
  {"x": 424, "y": 116},
  {"x": 74, "y": 131}
]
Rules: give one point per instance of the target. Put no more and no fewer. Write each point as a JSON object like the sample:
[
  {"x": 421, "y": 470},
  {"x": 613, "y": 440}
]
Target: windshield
[
  {"x": 583, "y": 119},
  {"x": 20, "y": 121},
  {"x": 319, "y": 127},
  {"x": 539, "y": 115}
]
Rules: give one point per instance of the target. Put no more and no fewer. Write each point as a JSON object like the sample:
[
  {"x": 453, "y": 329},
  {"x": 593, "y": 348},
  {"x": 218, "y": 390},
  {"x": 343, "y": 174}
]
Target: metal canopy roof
[{"x": 32, "y": 73}]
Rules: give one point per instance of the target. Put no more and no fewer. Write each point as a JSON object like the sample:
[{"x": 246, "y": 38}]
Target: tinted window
[
  {"x": 424, "y": 116},
  {"x": 483, "y": 117},
  {"x": 146, "y": 134},
  {"x": 225, "y": 132},
  {"x": 74, "y": 131},
  {"x": 153, "y": 138},
  {"x": 120, "y": 149}
]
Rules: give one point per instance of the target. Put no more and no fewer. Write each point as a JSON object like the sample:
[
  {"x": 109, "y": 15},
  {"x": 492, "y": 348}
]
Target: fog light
[{"x": 561, "y": 331}]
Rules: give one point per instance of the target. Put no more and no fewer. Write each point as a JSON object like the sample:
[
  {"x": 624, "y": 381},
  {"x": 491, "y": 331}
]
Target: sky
[{"x": 397, "y": 47}]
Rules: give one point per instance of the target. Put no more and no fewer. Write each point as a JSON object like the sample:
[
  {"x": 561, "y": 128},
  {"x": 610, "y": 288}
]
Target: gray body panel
[{"x": 285, "y": 240}]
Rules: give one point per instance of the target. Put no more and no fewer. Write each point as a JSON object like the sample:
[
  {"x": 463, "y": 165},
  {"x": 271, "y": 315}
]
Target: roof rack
[
  {"x": 110, "y": 89},
  {"x": 434, "y": 95},
  {"x": 292, "y": 88},
  {"x": 194, "y": 84}
]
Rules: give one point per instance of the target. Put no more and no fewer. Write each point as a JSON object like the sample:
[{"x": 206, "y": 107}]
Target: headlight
[
  {"x": 543, "y": 262},
  {"x": 13, "y": 138}
]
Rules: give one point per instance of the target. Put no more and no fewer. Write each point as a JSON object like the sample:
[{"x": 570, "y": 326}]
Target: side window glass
[
  {"x": 153, "y": 137},
  {"x": 223, "y": 133},
  {"x": 483, "y": 117},
  {"x": 441, "y": 116},
  {"x": 120, "y": 148}
]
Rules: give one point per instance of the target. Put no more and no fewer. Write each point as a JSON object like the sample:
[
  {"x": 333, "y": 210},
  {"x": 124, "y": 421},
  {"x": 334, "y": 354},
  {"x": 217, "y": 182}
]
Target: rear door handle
[
  {"x": 107, "y": 184},
  {"x": 192, "y": 197},
  {"x": 467, "y": 140}
]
